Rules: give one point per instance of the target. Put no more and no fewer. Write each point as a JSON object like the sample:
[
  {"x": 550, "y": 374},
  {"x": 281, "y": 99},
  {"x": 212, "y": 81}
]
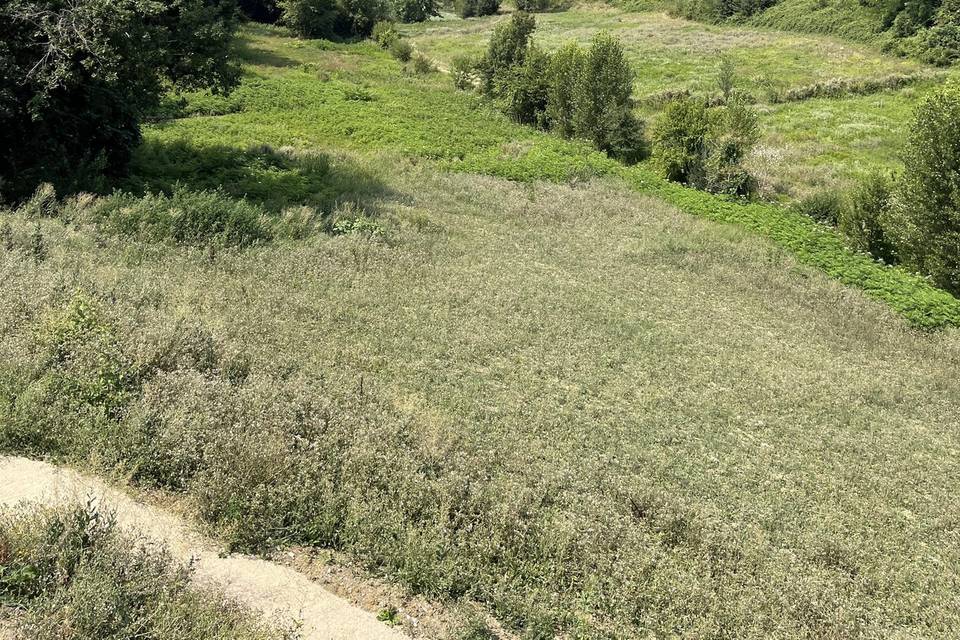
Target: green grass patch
[{"x": 425, "y": 117}]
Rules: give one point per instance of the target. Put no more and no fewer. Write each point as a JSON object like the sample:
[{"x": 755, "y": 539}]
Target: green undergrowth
[{"x": 302, "y": 99}]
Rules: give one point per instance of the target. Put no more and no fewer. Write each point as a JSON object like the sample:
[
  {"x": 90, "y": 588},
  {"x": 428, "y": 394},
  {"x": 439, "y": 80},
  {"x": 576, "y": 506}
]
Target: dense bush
[
  {"x": 823, "y": 206},
  {"x": 401, "y": 50},
  {"x": 106, "y": 63},
  {"x": 522, "y": 89},
  {"x": 333, "y": 19},
  {"x": 564, "y": 76},
  {"x": 925, "y": 216},
  {"x": 463, "y": 70},
  {"x": 415, "y": 10},
  {"x": 716, "y": 10},
  {"x": 186, "y": 217},
  {"x": 704, "y": 148},
  {"x": 507, "y": 48},
  {"x": 73, "y": 573},
  {"x": 475, "y": 8},
  {"x": 604, "y": 102},
  {"x": 384, "y": 34},
  {"x": 261, "y": 10},
  {"x": 680, "y": 140},
  {"x": 864, "y": 217}
]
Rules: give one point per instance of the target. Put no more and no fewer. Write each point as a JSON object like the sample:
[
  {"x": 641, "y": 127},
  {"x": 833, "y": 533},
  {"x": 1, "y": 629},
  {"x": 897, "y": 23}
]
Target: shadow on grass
[
  {"x": 272, "y": 178},
  {"x": 250, "y": 53}
]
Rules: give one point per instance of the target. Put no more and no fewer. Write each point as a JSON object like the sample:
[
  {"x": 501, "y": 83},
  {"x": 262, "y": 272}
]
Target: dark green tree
[{"x": 78, "y": 76}]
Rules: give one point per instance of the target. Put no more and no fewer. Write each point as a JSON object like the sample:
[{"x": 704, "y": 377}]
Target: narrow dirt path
[{"x": 266, "y": 586}]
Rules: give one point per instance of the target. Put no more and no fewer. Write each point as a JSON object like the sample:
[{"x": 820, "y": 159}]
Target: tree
[
  {"x": 78, "y": 76},
  {"x": 563, "y": 76},
  {"x": 333, "y": 19},
  {"x": 925, "y": 212},
  {"x": 604, "y": 94},
  {"x": 415, "y": 10},
  {"x": 508, "y": 48}
]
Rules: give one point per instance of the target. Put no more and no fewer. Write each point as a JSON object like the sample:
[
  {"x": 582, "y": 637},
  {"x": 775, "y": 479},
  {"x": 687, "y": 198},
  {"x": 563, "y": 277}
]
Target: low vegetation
[
  {"x": 461, "y": 328},
  {"x": 72, "y": 573}
]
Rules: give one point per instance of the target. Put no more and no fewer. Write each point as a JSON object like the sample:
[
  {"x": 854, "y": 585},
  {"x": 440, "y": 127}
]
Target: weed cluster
[{"x": 72, "y": 572}]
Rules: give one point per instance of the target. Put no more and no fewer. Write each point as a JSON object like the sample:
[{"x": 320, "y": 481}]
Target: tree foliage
[
  {"x": 78, "y": 76},
  {"x": 925, "y": 214}
]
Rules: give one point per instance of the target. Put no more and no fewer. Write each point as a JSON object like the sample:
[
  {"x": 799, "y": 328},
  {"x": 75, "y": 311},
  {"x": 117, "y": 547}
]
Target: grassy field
[
  {"x": 806, "y": 147},
  {"x": 515, "y": 372}
]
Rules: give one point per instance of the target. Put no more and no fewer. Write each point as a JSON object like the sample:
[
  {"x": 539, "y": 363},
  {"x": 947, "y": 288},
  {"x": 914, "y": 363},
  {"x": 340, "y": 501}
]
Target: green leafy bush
[
  {"x": 463, "y": 70},
  {"x": 476, "y": 8},
  {"x": 564, "y": 76},
  {"x": 522, "y": 89},
  {"x": 507, "y": 48},
  {"x": 333, "y": 19},
  {"x": 680, "y": 141},
  {"x": 422, "y": 64},
  {"x": 704, "y": 149},
  {"x": 401, "y": 50},
  {"x": 107, "y": 63},
  {"x": 823, "y": 206},
  {"x": 604, "y": 101},
  {"x": 925, "y": 216},
  {"x": 864, "y": 217},
  {"x": 415, "y": 10},
  {"x": 185, "y": 217},
  {"x": 384, "y": 33}
]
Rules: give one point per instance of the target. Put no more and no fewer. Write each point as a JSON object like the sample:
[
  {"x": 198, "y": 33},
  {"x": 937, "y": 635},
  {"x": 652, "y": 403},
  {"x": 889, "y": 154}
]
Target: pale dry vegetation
[{"x": 576, "y": 406}]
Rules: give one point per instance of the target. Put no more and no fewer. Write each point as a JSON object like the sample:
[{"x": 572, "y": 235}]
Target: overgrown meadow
[{"x": 349, "y": 306}]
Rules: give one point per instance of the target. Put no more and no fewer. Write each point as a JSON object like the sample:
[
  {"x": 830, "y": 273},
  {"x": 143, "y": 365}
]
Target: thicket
[
  {"x": 261, "y": 10},
  {"x": 415, "y": 10},
  {"x": 584, "y": 94},
  {"x": 333, "y": 19},
  {"x": 71, "y": 573},
  {"x": 704, "y": 147},
  {"x": 77, "y": 78},
  {"x": 914, "y": 218},
  {"x": 476, "y": 8}
]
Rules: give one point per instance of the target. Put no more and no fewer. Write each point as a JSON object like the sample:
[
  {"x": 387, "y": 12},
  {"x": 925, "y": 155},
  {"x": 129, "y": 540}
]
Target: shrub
[
  {"x": 415, "y": 10},
  {"x": 680, "y": 141},
  {"x": 384, "y": 34},
  {"x": 523, "y": 89},
  {"x": 463, "y": 70},
  {"x": 401, "y": 50},
  {"x": 471, "y": 8},
  {"x": 185, "y": 217},
  {"x": 532, "y": 6},
  {"x": 73, "y": 569},
  {"x": 925, "y": 216},
  {"x": 733, "y": 132},
  {"x": 603, "y": 97},
  {"x": 508, "y": 48},
  {"x": 422, "y": 64},
  {"x": 333, "y": 19},
  {"x": 823, "y": 206},
  {"x": 563, "y": 77},
  {"x": 864, "y": 216},
  {"x": 726, "y": 77},
  {"x": 107, "y": 63},
  {"x": 705, "y": 149},
  {"x": 261, "y": 10}
]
